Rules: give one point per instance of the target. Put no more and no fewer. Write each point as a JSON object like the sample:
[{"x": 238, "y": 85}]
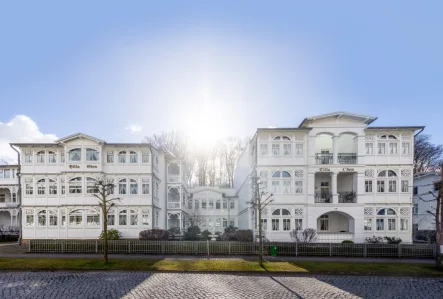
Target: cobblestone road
[{"x": 147, "y": 285}]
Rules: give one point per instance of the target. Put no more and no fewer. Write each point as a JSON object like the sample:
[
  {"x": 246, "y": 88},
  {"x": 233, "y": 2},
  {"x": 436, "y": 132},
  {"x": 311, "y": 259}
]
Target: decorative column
[
  {"x": 334, "y": 187},
  {"x": 334, "y": 150}
]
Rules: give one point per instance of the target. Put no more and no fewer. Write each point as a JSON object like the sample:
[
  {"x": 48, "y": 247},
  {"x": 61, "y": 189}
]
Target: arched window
[
  {"x": 386, "y": 212},
  {"x": 52, "y": 157},
  {"x": 133, "y": 157},
  {"x": 386, "y": 216},
  {"x": 41, "y": 187},
  {"x": 392, "y": 142},
  {"x": 91, "y": 155},
  {"x": 52, "y": 187},
  {"x": 75, "y": 155},
  {"x": 282, "y": 216},
  {"x": 123, "y": 217},
  {"x": 388, "y": 137},
  {"x": 75, "y": 185},
  {"x": 53, "y": 218},
  {"x": 122, "y": 186},
  {"x": 282, "y": 138},
  {"x": 92, "y": 218},
  {"x": 133, "y": 187},
  {"x": 387, "y": 178},
  {"x": 76, "y": 218},
  {"x": 91, "y": 185},
  {"x": 122, "y": 157},
  {"x": 281, "y": 179},
  {"x": 41, "y": 217},
  {"x": 41, "y": 157}
]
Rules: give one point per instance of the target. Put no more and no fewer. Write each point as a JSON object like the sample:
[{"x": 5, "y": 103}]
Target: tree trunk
[
  {"x": 260, "y": 234},
  {"x": 438, "y": 219},
  {"x": 105, "y": 230}
]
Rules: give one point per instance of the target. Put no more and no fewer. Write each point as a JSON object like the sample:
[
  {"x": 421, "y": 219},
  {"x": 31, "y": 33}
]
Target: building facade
[
  {"x": 9, "y": 205},
  {"x": 334, "y": 173}
]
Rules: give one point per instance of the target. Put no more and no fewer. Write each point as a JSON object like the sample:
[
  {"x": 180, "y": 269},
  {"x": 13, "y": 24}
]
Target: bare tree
[
  {"x": 437, "y": 198},
  {"x": 427, "y": 156},
  {"x": 194, "y": 218},
  {"x": 260, "y": 199},
  {"x": 308, "y": 235},
  {"x": 202, "y": 157},
  {"x": 230, "y": 150},
  {"x": 102, "y": 190}
]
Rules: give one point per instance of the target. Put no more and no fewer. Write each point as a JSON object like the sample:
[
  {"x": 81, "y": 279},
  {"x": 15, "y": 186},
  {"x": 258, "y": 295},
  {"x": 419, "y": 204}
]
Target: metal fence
[{"x": 234, "y": 248}]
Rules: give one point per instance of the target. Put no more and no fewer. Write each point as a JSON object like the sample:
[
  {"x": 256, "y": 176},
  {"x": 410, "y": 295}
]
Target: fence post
[
  {"x": 207, "y": 245},
  {"x": 399, "y": 250},
  {"x": 63, "y": 246},
  {"x": 96, "y": 246},
  {"x": 129, "y": 246},
  {"x": 434, "y": 250},
  {"x": 29, "y": 245},
  {"x": 296, "y": 248},
  {"x": 196, "y": 247},
  {"x": 229, "y": 248},
  {"x": 365, "y": 250},
  {"x": 163, "y": 246},
  {"x": 330, "y": 249}
]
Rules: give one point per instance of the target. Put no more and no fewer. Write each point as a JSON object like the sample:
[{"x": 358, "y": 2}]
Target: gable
[
  {"x": 337, "y": 119},
  {"x": 80, "y": 139}
]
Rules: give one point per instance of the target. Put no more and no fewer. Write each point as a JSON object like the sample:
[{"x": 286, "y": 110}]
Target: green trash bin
[{"x": 274, "y": 251}]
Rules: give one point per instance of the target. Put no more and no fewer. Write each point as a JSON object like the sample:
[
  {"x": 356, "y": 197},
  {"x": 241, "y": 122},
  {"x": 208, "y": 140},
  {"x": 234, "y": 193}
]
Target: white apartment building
[
  {"x": 9, "y": 206},
  {"x": 333, "y": 173},
  {"x": 58, "y": 181},
  {"x": 423, "y": 184}
]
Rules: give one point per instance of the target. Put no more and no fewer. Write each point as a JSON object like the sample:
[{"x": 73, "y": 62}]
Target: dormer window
[
  {"x": 91, "y": 155},
  {"x": 75, "y": 155}
]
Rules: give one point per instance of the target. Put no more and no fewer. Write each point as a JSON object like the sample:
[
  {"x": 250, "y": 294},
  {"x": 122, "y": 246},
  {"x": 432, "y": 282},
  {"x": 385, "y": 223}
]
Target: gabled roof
[
  {"x": 367, "y": 119},
  {"x": 397, "y": 128},
  {"x": 79, "y": 135},
  {"x": 420, "y": 175}
]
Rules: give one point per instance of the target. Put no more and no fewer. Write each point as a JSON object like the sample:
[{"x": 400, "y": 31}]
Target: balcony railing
[
  {"x": 347, "y": 197},
  {"x": 334, "y": 237},
  {"x": 323, "y": 197},
  {"x": 347, "y": 158},
  {"x": 173, "y": 205},
  {"x": 8, "y": 204},
  {"x": 323, "y": 158},
  {"x": 174, "y": 179}
]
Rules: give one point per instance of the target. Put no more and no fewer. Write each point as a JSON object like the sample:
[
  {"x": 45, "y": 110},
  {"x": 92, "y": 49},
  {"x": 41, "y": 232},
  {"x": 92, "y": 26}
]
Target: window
[
  {"x": 145, "y": 157},
  {"x": 29, "y": 189},
  {"x": 62, "y": 157},
  {"x": 41, "y": 218},
  {"x": 286, "y": 224},
  {"x": 391, "y": 224},
  {"x": 76, "y": 218},
  {"x": 62, "y": 184},
  {"x": 263, "y": 149},
  {"x": 189, "y": 204},
  {"x": 415, "y": 209},
  {"x": 380, "y": 224},
  {"x": 28, "y": 159},
  {"x": 7, "y": 173},
  {"x": 204, "y": 204},
  {"x": 41, "y": 187},
  {"x": 145, "y": 219},
  {"x": 369, "y": 148},
  {"x": 91, "y": 186},
  {"x": 2, "y": 197},
  {"x": 122, "y": 157},
  {"x": 111, "y": 219},
  {"x": 368, "y": 224},
  {"x": 145, "y": 188},
  {"x": 384, "y": 212},
  {"x": 232, "y": 223},
  {"x": 381, "y": 148},
  {"x": 29, "y": 220},
  {"x": 276, "y": 149},
  {"x": 232, "y": 205},
  {"x": 404, "y": 224},
  {"x": 196, "y": 204},
  {"x": 133, "y": 218},
  {"x": 75, "y": 155},
  {"x": 122, "y": 187},
  {"x": 324, "y": 222},
  {"x": 132, "y": 157},
  {"x": 225, "y": 204},
  {"x": 405, "y": 148},
  {"x": 133, "y": 187},
  {"x": 264, "y": 223},
  {"x": 75, "y": 185},
  {"x": 299, "y": 149},
  {"x": 217, "y": 204},
  {"x": 392, "y": 186},
  {"x": 123, "y": 218},
  {"x": 52, "y": 218},
  {"x": 299, "y": 187},
  {"x": 52, "y": 187},
  {"x": 287, "y": 149},
  {"x": 392, "y": 148},
  {"x": 286, "y": 186},
  {"x": 110, "y": 157},
  {"x": 415, "y": 190},
  {"x": 91, "y": 155},
  {"x": 52, "y": 157},
  {"x": 404, "y": 186},
  {"x": 211, "y": 203},
  {"x": 368, "y": 186},
  {"x": 225, "y": 222},
  {"x": 40, "y": 157},
  {"x": 298, "y": 224},
  {"x": 275, "y": 187},
  {"x": 275, "y": 224}
]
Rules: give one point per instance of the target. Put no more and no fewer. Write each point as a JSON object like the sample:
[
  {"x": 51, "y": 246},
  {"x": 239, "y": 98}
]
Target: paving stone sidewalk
[{"x": 177, "y": 285}]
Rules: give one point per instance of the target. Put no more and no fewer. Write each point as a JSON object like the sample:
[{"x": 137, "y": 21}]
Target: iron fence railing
[
  {"x": 235, "y": 248},
  {"x": 323, "y": 158},
  {"x": 323, "y": 197},
  {"x": 347, "y": 158},
  {"x": 347, "y": 197}
]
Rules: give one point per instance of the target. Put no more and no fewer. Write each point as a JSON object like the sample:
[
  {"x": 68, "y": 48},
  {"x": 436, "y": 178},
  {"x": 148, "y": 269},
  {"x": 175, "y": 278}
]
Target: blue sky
[{"x": 123, "y": 70}]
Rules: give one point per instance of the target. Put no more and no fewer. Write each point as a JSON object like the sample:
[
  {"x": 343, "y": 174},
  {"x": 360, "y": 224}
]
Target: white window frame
[
  {"x": 263, "y": 149},
  {"x": 406, "y": 148},
  {"x": 369, "y": 186},
  {"x": 369, "y": 148},
  {"x": 299, "y": 149}
]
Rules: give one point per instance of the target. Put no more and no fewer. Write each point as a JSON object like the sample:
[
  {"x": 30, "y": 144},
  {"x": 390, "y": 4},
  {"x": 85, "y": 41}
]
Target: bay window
[{"x": 91, "y": 186}]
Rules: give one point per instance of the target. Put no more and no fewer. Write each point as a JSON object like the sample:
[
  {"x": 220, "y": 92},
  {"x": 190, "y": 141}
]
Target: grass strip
[{"x": 219, "y": 265}]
